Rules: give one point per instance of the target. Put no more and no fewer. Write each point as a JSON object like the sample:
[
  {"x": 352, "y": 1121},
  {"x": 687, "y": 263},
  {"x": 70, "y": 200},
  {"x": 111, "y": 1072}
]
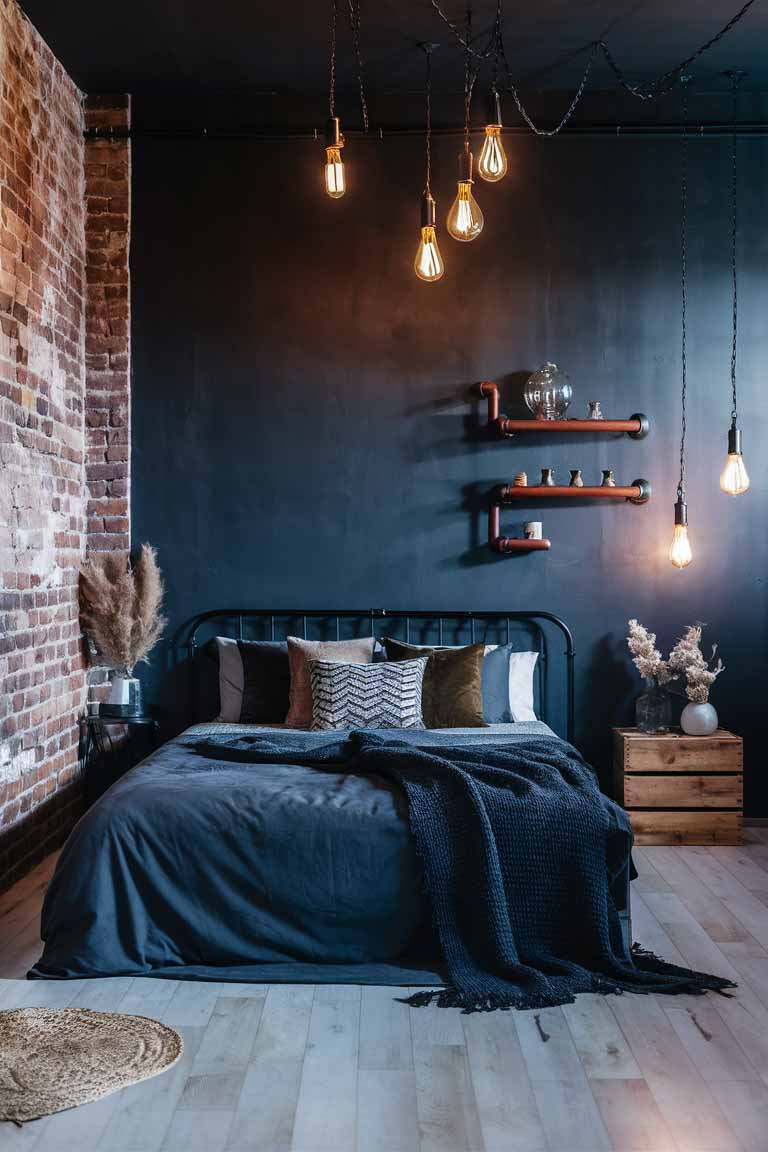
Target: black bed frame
[{"x": 278, "y": 623}]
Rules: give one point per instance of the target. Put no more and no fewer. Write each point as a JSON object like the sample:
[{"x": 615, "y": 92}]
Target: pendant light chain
[
  {"x": 736, "y": 79},
  {"x": 667, "y": 81},
  {"x": 354, "y": 24},
  {"x": 652, "y": 90},
  {"x": 468, "y": 77},
  {"x": 498, "y": 45},
  {"x": 332, "y": 82},
  {"x": 683, "y": 277},
  {"x": 428, "y": 131}
]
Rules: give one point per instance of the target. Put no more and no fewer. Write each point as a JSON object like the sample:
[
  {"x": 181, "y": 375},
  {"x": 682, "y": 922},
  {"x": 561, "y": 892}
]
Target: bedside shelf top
[{"x": 722, "y": 734}]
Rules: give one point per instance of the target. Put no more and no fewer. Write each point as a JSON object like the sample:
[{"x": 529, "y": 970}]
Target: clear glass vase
[{"x": 653, "y": 709}]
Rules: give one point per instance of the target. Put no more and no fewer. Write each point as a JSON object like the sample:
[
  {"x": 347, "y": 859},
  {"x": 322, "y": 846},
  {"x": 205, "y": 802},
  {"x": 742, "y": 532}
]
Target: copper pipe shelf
[
  {"x": 639, "y": 492},
  {"x": 509, "y": 544},
  {"x": 636, "y": 427}
]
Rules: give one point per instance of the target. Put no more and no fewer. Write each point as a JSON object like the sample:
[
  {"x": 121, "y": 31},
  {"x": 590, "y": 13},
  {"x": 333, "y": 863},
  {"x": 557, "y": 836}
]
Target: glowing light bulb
[
  {"x": 680, "y": 553},
  {"x": 428, "y": 264},
  {"x": 465, "y": 220},
  {"x": 734, "y": 478},
  {"x": 492, "y": 164},
  {"x": 335, "y": 183},
  {"x": 335, "y": 180}
]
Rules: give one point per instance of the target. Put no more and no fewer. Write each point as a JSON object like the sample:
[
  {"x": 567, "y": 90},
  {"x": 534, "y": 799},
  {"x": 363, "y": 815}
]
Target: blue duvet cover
[{"x": 200, "y": 868}]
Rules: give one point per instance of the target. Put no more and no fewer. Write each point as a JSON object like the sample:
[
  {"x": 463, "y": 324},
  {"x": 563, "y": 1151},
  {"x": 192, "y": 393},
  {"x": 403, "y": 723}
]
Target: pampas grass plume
[{"x": 121, "y": 605}]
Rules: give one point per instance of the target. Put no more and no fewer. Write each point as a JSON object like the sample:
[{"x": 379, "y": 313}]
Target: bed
[{"x": 195, "y": 867}]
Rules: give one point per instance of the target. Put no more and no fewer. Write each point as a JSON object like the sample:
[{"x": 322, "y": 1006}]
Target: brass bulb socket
[
  {"x": 493, "y": 109},
  {"x": 428, "y": 210},
  {"x": 466, "y": 162},
  {"x": 333, "y": 133}
]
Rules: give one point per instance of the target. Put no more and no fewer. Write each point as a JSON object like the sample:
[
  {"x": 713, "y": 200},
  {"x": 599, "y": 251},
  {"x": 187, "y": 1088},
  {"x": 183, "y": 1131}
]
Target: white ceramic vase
[{"x": 698, "y": 720}]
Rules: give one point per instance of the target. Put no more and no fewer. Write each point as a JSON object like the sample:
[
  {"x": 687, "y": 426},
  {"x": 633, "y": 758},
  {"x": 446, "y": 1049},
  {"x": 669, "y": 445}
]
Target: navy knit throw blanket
[{"x": 514, "y": 842}]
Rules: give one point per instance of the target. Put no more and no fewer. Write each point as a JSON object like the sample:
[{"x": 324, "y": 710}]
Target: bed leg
[{"x": 625, "y": 916}]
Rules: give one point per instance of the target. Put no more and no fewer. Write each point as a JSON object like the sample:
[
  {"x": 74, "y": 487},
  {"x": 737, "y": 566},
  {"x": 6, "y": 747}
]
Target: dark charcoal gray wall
[{"x": 301, "y": 433}]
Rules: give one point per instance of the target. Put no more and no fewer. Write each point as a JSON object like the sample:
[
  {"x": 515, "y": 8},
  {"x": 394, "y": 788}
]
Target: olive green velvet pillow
[{"x": 451, "y": 695}]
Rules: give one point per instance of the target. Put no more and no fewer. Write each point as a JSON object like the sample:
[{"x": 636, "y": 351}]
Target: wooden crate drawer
[
  {"x": 676, "y": 753},
  {"x": 688, "y": 791},
  {"x": 708, "y": 827}
]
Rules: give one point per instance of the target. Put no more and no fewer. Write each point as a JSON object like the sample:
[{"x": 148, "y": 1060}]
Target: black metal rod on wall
[{"x": 616, "y": 131}]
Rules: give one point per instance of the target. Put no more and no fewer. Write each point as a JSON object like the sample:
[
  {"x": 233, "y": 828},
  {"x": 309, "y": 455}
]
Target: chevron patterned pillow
[{"x": 386, "y": 695}]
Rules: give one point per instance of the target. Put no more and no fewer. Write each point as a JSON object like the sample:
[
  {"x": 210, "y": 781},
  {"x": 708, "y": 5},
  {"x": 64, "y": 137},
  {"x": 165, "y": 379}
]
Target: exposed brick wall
[
  {"x": 51, "y": 316},
  {"x": 107, "y": 339}
]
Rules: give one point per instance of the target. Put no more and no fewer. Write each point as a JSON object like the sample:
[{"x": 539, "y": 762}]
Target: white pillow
[{"x": 521, "y": 669}]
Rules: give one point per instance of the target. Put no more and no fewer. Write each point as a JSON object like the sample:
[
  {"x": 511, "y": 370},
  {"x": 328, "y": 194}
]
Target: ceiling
[{"x": 261, "y": 58}]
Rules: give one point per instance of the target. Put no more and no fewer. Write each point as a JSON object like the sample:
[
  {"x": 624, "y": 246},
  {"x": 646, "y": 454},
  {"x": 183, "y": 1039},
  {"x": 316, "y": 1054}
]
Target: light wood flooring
[{"x": 296, "y": 1068}]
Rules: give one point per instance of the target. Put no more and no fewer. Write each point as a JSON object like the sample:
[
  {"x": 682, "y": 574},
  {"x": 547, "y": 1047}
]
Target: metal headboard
[{"x": 281, "y": 622}]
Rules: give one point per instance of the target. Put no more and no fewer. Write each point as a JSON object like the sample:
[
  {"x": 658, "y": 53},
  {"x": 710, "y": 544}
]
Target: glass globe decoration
[{"x": 548, "y": 392}]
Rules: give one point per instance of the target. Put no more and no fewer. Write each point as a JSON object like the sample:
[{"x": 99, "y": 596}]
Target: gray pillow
[{"x": 382, "y": 695}]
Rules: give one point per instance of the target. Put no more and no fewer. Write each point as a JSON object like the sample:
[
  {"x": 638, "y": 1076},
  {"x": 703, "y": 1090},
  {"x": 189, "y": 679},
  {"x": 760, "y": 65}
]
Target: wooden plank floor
[{"x": 295, "y": 1068}]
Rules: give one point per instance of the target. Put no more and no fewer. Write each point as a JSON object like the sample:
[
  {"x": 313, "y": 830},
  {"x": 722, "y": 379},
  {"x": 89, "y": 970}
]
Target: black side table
[{"x": 107, "y": 753}]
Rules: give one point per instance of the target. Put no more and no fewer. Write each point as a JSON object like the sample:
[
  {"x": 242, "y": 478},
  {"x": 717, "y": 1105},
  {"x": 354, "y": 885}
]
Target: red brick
[{"x": 70, "y": 250}]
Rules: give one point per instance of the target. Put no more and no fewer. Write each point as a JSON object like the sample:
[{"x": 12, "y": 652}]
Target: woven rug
[{"x": 52, "y": 1059}]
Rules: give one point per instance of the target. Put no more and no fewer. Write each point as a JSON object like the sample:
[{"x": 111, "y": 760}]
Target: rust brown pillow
[
  {"x": 300, "y": 652},
  {"x": 451, "y": 696}
]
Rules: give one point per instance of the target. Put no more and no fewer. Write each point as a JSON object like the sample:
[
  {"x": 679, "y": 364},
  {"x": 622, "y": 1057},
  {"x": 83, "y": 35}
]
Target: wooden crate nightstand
[{"x": 680, "y": 789}]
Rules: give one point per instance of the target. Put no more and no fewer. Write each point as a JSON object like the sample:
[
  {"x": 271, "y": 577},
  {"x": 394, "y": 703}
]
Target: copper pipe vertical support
[
  {"x": 505, "y": 545},
  {"x": 490, "y": 391}
]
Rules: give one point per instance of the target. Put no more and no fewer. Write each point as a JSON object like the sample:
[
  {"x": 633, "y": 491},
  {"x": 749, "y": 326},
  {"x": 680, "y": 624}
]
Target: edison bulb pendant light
[
  {"x": 680, "y": 553},
  {"x": 335, "y": 180},
  {"x": 428, "y": 264},
  {"x": 734, "y": 478},
  {"x": 465, "y": 220},
  {"x": 492, "y": 164}
]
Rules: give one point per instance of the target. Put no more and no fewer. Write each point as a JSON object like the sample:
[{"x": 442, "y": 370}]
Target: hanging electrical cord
[
  {"x": 465, "y": 220},
  {"x": 680, "y": 553},
  {"x": 734, "y": 478},
  {"x": 428, "y": 264},
  {"x": 332, "y": 62},
  {"x": 652, "y": 90},
  {"x": 353, "y": 14},
  {"x": 736, "y": 79},
  {"x": 335, "y": 178},
  {"x": 667, "y": 81}
]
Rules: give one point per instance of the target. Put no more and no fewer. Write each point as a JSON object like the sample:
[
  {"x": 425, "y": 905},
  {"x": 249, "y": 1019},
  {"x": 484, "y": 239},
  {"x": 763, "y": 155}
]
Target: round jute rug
[{"x": 52, "y": 1059}]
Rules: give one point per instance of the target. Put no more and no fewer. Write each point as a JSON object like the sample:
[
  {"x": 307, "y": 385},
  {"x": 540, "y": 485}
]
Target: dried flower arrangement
[
  {"x": 645, "y": 655},
  {"x": 687, "y": 659},
  {"x": 120, "y": 606}
]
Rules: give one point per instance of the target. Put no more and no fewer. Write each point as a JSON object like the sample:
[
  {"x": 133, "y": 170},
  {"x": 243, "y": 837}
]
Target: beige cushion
[{"x": 300, "y": 652}]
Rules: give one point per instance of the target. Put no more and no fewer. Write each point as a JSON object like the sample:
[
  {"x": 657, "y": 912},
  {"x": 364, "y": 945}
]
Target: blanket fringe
[{"x": 687, "y": 981}]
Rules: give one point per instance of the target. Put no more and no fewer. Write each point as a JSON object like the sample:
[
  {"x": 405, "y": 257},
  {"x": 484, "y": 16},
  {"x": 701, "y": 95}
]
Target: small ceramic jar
[
  {"x": 547, "y": 477},
  {"x": 608, "y": 480},
  {"x": 576, "y": 480}
]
